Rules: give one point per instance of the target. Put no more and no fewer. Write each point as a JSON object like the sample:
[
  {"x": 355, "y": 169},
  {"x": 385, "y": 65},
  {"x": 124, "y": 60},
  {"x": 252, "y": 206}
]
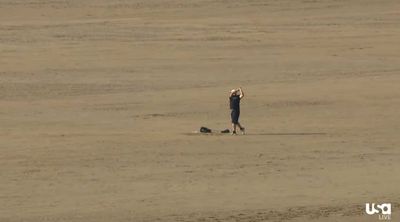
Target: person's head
[{"x": 234, "y": 92}]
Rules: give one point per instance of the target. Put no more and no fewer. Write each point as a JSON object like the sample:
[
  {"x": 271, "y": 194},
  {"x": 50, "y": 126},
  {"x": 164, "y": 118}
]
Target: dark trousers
[{"x": 235, "y": 116}]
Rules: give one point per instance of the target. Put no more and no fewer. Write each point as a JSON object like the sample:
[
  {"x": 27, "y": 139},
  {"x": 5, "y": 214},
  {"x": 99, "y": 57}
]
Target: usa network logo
[{"x": 384, "y": 210}]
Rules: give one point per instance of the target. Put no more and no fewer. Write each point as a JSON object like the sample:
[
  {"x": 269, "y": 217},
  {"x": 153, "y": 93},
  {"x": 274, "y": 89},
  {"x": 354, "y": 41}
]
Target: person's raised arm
[{"x": 241, "y": 92}]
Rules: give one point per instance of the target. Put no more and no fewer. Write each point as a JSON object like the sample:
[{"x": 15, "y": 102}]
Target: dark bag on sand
[
  {"x": 205, "y": 130},
  {"x": 225, "y": 131}
]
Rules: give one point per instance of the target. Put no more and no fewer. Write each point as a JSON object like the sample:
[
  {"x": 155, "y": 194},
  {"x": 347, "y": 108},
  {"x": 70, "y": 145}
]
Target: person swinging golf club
[{"x": 234, "y": 103}]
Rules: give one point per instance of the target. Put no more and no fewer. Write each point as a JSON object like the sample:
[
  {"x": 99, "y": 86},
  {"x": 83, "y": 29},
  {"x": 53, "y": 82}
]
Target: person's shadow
[
  {"x": 263, "y": 134},
  {"x": 285, "y": 134}
]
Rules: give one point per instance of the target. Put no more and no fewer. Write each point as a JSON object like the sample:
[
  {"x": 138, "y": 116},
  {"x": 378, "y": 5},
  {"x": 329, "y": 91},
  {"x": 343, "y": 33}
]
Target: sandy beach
[{"x": 99, "y": 101}]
